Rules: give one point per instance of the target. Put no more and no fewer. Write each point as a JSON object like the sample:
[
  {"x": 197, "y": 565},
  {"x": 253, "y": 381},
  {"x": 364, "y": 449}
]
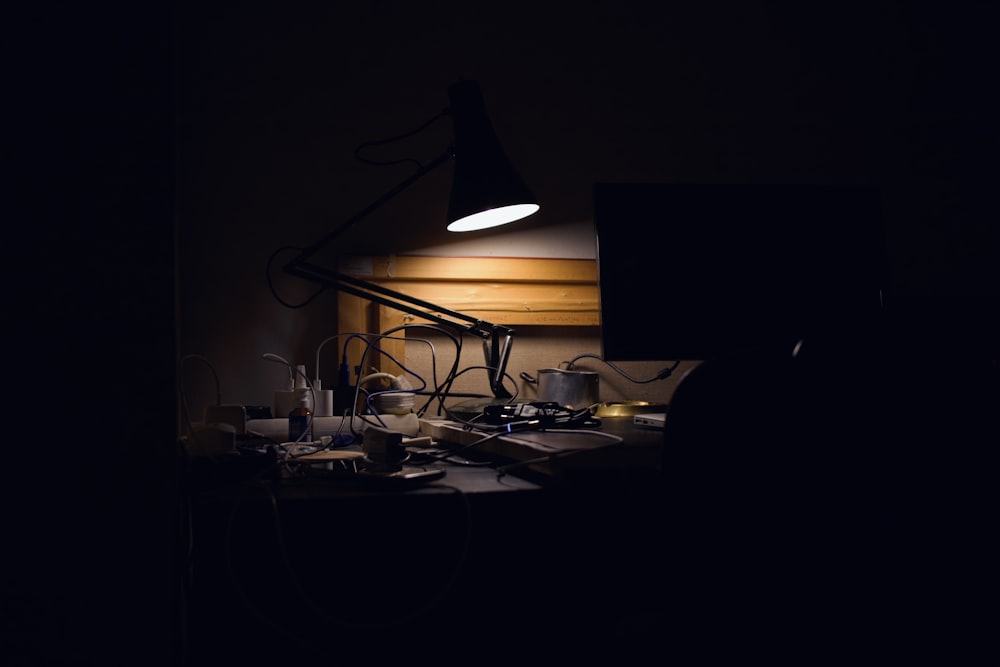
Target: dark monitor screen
[{"x": 700, "y": 271}]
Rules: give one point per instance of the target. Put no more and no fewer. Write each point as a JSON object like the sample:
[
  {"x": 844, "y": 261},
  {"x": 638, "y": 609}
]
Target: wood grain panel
[{"x": 505, "y": 291}]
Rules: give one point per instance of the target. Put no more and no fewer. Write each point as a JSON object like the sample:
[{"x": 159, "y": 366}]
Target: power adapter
[{"x": 234, "y": 415}]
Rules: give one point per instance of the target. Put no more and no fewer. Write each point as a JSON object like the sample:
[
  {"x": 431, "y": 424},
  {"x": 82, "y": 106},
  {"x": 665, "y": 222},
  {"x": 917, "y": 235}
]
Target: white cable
[
  {"x": 211, "y": 368},
  {"x": 282, "y": 360},
  {"x": 319, "y": 349}
]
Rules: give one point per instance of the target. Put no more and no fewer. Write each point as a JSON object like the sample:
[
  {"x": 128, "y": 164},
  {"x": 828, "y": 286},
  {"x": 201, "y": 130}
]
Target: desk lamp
[{"x": 486, "y": 192}]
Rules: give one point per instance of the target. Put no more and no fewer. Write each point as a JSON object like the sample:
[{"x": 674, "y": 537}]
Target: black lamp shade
[{"x": 484, "y": 179}]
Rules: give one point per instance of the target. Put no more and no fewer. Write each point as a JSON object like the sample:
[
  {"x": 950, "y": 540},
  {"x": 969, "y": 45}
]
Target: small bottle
[{"x": 300, "y": 418}]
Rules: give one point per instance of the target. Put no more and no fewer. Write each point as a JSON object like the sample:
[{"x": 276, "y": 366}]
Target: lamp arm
[
  {"x": 497, "y": 351},
  {"x": 309, "y": 251},
  {"x": 473, "y": 124},
  {"x": 497, "y": 339}
]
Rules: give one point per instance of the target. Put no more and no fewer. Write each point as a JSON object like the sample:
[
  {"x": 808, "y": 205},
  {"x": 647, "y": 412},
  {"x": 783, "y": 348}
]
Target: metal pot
[{"x": 570, "y": 389}]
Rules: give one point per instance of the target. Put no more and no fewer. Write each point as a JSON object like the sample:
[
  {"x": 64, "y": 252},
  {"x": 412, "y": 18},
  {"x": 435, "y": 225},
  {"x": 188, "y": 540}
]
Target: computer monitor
[{"x": 701, "y": 271}]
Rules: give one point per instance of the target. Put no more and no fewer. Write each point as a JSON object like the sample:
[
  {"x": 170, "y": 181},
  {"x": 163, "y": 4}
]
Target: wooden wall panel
[{"x": 506, "y": 291}]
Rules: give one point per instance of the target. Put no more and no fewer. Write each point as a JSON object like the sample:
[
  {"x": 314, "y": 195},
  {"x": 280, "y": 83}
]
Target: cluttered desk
[
  {"x": 488, "y": 539},
  {"x": 407, "y": 452}
]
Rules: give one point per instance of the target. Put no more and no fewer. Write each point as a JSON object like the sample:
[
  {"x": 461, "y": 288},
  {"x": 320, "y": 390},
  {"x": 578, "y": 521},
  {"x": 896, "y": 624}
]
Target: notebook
[{"x": 650, "y": 419}]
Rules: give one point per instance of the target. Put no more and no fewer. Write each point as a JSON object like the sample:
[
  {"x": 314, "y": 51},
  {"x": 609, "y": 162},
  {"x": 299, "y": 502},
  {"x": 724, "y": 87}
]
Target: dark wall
[{"x": 91, "y": 524}]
